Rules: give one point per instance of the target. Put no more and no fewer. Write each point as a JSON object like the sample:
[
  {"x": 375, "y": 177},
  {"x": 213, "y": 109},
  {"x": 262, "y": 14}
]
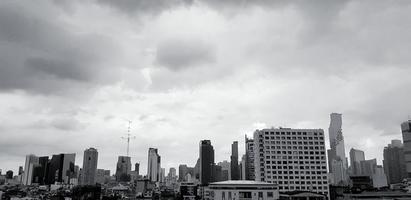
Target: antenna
[{"x": 128, "y": 137}]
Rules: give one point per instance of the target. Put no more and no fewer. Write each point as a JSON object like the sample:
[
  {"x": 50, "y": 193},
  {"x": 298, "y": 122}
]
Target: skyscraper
[
  {"x": 406, "y": 138},
  {"x": 61, "y": 168},
  {"x": 235, "y": 171},
  {"x": 154, "y": 165},
  {"x": 206, "y": 162},
  {"x": 356, "y": 156},
  {"x": 31, "y": 161},
  {"x": 123, "y": 168},
  {"x": 40, "y": 171},
  {"x": 292, "y": 158},
  {"x": 394, "y": 164},
  {"x": 89, "y": 167},
  {"x": 137, "y": 168},
  {"x": 336, "y": 155},
  {"x": 249, "y": 156},
  {"x": 225, "y": 170}
]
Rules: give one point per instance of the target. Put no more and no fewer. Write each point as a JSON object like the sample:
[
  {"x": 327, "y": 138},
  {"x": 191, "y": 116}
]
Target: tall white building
[
  {"x": 292, "y": 158},
  {"x": 89, "y": 167},
  {"x": 337, "y": 161},
  {"x": 31, "y": 161},
  {"x": 154, "y": 165}
]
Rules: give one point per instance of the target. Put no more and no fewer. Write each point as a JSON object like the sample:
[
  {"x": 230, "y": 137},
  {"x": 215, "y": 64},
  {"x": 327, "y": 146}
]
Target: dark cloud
[
  {"x": 177, "y": 54},
  {"x": 40, "y": 54},
  {"x": 139, "y": 7}
]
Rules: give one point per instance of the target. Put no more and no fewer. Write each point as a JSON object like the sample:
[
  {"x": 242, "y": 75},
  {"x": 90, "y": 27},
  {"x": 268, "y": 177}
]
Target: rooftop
[{"x": 240, "y": 182}]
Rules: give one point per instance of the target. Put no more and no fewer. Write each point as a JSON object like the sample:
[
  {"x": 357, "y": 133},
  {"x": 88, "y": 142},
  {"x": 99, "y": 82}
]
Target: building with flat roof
[
  {"x": 241, "y": 189},
  {"x": 292, "y": 158}
]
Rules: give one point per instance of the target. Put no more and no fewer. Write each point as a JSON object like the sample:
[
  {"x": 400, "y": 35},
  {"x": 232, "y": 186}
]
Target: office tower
[
  {"x": 61, "y": 168},
  {"x": 40, "y": 171},
  {"x": 172, "y": 173},
  {"x": 292, "y": 158},
  {"x": 137, "y": 168},
  {"x": 217, "y": 173},
  {"x": 182, "y": 172},
  {"x": 379, "y": 179},
  {"x": 154, "y": 165},
  {"x": 206, "y": 162},
  {"x": 197, "y": 170},
  {"x": 21, "y": 170},
  {"x": 162, "y": 175},
  {"x": 242, "y": 167},
  {"x": 234, "y": 162},
  {"x": 89, "y": 167},
  {"x": 123, "y": 169},
  {"x": 336, "y": 155},
  {"x": 394, "y": 164},
  {"x": 356, "y": 156},
  {"x": 9, "y": 174},
  {"x": 249, "y": 155},
  {"x": 31, "y": 161},
  {"x": 368, "y": 167},
  {"x": 225, "y": 170},
  {"x": 406, "y": 138}
]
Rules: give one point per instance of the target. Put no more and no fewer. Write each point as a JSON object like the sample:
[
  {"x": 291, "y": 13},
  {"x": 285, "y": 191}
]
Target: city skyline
[{"x": 73, "y": 73}]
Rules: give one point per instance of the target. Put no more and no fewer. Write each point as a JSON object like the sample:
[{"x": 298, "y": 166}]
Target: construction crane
[{"x": 128, "y": 137}]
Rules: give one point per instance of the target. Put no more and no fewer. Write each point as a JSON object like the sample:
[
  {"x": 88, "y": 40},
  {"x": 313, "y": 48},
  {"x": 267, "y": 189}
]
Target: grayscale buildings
[
  {"x": 154, "y": 165},
  {"x": 31, "y": 161},
  {"x": 250, "y": 190},
  {"x": 249, "y": 159},
  {"x": 89, "y": 171},
  {"x": 61, "y": 168},
  {"x": 337, "y": 161},
  {"x": 356, "y": 156},
  {"x": 394, "y": 164},
  {"x": 235, "y": 170},
  {"x": 206, "y": 162},
  {"x": 123, "y": 168},
  {"x": 406, "y": 138},
  {"x": 294, "y": 159}
]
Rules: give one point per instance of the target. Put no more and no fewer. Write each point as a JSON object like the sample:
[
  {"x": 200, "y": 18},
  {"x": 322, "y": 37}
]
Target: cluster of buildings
[{"x": 278, "y": 163}]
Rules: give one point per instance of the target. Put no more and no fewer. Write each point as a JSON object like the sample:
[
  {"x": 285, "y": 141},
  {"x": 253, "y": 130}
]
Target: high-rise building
[
  {"x": 182, "y": 171},
  {"x": 123, "y": 169},
  {"x": 89, "y": 167},
  {"x": 337, "y": 161},
  {"x": 394, "y": 164},
  {"x": 292, "y": 158},
  {"x": 235, "y": 171},
  {"x": 40, "y": 171},
  {"x": 9, "y": 174},
  {"x": 368, "y": 167},
  {"x": 137, "y": 168},
  {"x": 154, "y": 165},
  {"x": 31, "y": 161},
  {"x": 21, "y": 170},
  {"x": 406, "y": 138},
  {"x": 249, "y": 156},
  {"x": 61, "y": 168},
  {"x": 162, "y": 175},
  {"x": 356, "y": 156},
  {"x": 206, "y": 162},
  {"x": 225, "y": 170}
]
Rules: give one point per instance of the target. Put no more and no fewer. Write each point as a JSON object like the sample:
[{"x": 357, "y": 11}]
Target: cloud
[{"x": 177, "y": 54}]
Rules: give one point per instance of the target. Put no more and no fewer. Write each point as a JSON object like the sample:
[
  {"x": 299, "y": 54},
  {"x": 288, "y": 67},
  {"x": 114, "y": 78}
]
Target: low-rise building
[{"x": 241, "y": 189}]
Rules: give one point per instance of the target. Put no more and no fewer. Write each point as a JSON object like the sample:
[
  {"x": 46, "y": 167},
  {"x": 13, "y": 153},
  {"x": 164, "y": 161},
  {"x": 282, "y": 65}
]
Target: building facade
[
  {"x": 206, "y": 162},
  {"x": 123, "y": 168},
  {"x": 292, "y": 158},
  {"x": 406, "y": 138},
  {"x": 89, "y": 167},
  {"x": 31, "y": 161},
  {"x": 394, "y": 164},
  {"x": 249, "y": 173},
  {"x": 337, "y": 161},
  {"x": 154, "y": 165},
  {"x": 235, "y": 170},
  {"x": 356, "y": 156},
  {"x": 242, "y": 190}
]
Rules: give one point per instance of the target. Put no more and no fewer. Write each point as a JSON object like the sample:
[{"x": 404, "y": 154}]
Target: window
[{"x": 270, "y": 194}]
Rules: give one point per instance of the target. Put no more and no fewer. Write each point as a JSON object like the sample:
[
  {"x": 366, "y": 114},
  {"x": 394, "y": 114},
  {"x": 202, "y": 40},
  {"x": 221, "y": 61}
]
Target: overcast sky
[{"x": 73, "y": 72}]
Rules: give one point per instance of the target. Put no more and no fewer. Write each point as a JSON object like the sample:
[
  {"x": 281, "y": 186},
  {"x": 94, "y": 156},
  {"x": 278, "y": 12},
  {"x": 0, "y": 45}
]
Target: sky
[{"x": 72, "y": 73}]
